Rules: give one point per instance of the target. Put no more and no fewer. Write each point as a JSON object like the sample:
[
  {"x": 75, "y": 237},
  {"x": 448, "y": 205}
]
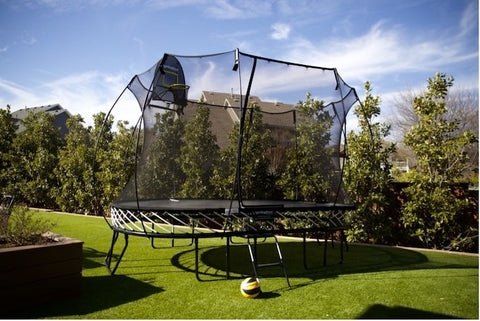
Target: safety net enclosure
[
  {"x": 238, "y": 127},
  {"x": 225, "y": 139}
]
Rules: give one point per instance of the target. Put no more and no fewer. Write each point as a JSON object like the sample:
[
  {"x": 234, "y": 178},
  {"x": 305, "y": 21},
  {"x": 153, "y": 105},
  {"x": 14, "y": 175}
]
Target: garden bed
[{"x": 35, "y": 274}]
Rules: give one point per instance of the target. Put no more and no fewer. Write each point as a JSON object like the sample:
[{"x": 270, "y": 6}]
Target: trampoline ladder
[{"x": 256, "y": 265}]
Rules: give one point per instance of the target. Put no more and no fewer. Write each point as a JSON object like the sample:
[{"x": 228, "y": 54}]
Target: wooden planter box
[{"x": 31, "y": 275}]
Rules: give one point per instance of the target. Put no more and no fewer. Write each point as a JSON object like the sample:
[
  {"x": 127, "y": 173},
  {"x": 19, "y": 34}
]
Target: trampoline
[{"x": 235, "y": 145}]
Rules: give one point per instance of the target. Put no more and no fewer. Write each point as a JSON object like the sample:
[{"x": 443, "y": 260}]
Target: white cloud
[
  {"x": 86, "y": 94},
  {"x": 15, "y": 91},
  {"x": 469, "y": 19},
  {"x": 161, "y": 5},
  {"x": 380, "y": 51},
  {"x": 238, "y": 9},
  {"x": 280, "y": 31},
  {"x": 89, "y": 93},
  {"x": 224, "y": 10},
  {"x": 61, "y": 6}
]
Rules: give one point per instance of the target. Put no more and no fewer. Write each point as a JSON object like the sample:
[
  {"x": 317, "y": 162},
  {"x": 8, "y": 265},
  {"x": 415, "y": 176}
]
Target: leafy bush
[
  {"x": 25, "y": 228},
  {"x": 367, "y": 174}
]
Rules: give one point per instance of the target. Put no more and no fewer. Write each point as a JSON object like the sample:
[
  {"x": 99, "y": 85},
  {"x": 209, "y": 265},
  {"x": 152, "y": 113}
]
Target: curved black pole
[
  {"x": 243, "y": 112},
  {"x": 94, "y": 180}
]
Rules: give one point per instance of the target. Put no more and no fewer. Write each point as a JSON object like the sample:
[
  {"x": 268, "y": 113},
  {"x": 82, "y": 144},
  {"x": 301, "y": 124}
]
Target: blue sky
[{"x": 82, "y": 53}]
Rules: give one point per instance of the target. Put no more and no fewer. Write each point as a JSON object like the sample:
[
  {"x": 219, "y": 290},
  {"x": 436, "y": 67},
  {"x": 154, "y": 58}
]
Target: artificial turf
[{"x": 373, "y": 282}]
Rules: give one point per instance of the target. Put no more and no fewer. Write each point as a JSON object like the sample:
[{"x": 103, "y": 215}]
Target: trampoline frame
[{"x": 178, "y": 220}]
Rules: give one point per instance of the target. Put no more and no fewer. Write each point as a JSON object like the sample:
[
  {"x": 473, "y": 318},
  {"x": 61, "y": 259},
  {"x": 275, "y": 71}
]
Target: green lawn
[{"x": 373, "y": 282}]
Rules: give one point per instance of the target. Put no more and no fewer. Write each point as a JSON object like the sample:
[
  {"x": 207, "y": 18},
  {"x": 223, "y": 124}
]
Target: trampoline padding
[{"x": 218, "y": 205}]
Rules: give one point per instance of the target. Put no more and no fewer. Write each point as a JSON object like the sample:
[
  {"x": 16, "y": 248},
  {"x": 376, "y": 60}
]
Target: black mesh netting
[{"x": 234, "y": 126}]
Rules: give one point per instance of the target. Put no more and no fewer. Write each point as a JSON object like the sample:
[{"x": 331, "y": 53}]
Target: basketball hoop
[{"x": 180, "y": 94}]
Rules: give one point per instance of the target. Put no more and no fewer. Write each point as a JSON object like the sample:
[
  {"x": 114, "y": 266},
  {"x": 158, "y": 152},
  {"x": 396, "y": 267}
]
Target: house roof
[
  {"x": 276, "y": 114},
  {"x": 233, "y": 100},
  {"x": 61, "y": 116},
  {"x": 54, "y": 109},
  {"x": 271, "y": 110}
]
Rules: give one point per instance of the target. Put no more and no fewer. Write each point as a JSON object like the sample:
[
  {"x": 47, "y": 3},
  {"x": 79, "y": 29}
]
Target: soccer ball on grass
[{"x": 250, "y": 287}]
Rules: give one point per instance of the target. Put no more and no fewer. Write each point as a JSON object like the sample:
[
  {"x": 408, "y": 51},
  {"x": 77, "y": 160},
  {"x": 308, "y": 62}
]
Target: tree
[
  {"x": 102, "y": 136},
  {"x": 161, "y": 175},
  {"x": 122, "y": 158},
  {"x": 199, "y": 156},
  {"x": 74, "y": 162},
  {"x": 114, "y": 161},
  {"x": 34, "y": 160},
  {"x": 308, "y": 172},
  {"x": 367, "y": 174},
  {"x": 7, "y": 135},
  {"x": 256, "y": 181},
  {"x": 462, "y": 106},
  {"x": 431, "y": 209}
]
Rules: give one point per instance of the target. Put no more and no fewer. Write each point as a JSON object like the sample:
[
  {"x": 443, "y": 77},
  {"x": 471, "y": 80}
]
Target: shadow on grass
[
  {"x": 267, "y": 295},
  {"x": 185, "y": 261},
  {"x": 379, "y": 311},
  {"x": 92, "y": 258},
  {"x": 359, "y": 259},
  {"x": 98, "y": 293}
]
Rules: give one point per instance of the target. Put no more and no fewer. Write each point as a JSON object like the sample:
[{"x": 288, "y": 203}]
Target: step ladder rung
[{"x": 263, "y": 265}]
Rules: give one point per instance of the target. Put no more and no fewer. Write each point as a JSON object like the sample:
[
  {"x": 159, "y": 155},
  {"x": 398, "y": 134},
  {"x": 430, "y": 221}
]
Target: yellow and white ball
[{"x": 250, "y": 287}]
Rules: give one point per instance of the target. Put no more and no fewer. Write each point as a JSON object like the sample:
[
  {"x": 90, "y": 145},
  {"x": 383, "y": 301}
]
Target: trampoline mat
[{"x": 217, "y": 205}]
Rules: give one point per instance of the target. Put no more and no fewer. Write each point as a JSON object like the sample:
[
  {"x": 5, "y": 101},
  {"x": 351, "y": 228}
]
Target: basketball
[{"x": 250, "y": 288}]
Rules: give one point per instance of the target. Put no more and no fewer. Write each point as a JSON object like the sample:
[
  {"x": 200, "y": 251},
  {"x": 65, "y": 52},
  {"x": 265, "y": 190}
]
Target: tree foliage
[
  {"x": 75, "y": 160},
  {"x": 308, "y": 171},
  {"x": 256, "y": 179},
  {"x": 461, "y": 107},
  {"x": 161, "y": 174},
  {"x": 431, "y": 210},
  {"x": 199, "y": 156},
  {"x": 367, "y": 174},
  {"x": 34, "y": 158},
  {"x": 116, "y": 163},
  {"x": 7, "y": 134},
  {"x": 42, "y": 170}
]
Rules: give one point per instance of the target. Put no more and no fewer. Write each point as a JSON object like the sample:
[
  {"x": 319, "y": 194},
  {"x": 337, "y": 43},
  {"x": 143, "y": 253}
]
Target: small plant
[{"x": 25, "y": 228}]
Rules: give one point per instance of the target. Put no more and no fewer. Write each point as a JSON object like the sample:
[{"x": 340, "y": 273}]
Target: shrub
[{"x": 25, "y": 228}]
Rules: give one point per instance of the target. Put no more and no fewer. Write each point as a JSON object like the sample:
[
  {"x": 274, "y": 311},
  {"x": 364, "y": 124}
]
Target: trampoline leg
[
  {"x": 152, "y": 243},
  {"x": 173, "y": 236},
  {"x": 345, "y": 240},
  {"x": 325, "y": 250},
  {"x": 196, "y": 260},
  {"x": 197, "y": 273},
  {"x": 341, "y": 247},
  {"x": 227, "y": 258},
  {"x": 305, "y": 250},
  {"x": 325, "y": 247},
  {"x": 193, "y": 232},
  {"x": 108, "y": 258}
]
